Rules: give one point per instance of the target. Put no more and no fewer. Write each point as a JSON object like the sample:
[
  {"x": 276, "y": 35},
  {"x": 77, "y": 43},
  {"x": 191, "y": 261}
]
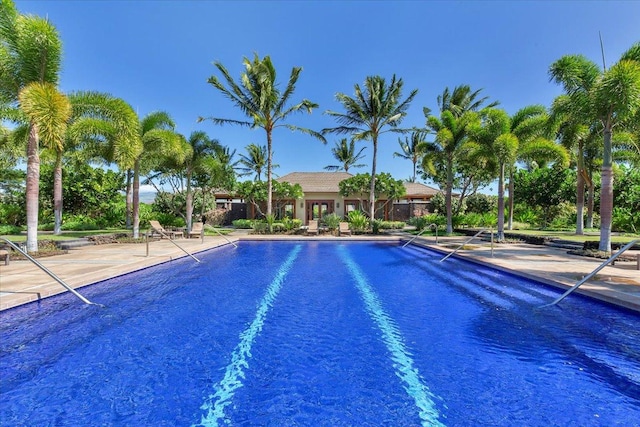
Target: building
[{"x": 322, "y": 197}]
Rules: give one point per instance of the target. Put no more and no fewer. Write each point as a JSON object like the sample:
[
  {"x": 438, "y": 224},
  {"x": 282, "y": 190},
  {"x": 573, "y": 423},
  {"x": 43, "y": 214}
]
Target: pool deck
[{"x": 22, "y": 282}]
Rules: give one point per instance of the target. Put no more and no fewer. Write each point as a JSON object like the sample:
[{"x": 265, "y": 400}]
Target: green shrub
[
  {"x": 243, "y": 223},
  {"x": 392, "y": 225},
  {"x": 9, "y": 229},
  {"x": 358, "y": 222},
  {"x": 291, "y": 223},
  {"x": 331, "y": 221}
]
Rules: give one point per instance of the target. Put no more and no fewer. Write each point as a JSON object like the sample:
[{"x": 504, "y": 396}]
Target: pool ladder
[
  {"x": 593, "y": 273},
  {"x": 46, "y": 270}
]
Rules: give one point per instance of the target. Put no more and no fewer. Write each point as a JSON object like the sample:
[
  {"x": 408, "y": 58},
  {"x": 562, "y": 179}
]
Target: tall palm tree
[
  {"x": 30, "y": 52},
  {"x": 156, "y": 133},
  {"x": 497, "y": 146},
  {"x": 258, "y": 97},
  {"x": 202, "y": 147},
  {"x": 609, "y": 98},
  {"x": 411, "y": 148},
  {"x": 530, "y": 126},
  {"x": 255, "y": 161},
  {"x": 574, "y": 134},
  {"x": 443, "y": 156},
  {"x": 375, "y": 109},
  {"x": 345, "y": 152}
]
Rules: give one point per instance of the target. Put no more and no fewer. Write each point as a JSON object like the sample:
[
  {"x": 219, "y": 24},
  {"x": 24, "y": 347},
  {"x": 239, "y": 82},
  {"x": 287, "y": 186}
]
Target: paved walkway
[{"x": 22, "y": 282}]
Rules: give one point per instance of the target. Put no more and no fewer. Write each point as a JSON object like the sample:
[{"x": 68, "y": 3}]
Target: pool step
[{"x": 74, "y": 244}]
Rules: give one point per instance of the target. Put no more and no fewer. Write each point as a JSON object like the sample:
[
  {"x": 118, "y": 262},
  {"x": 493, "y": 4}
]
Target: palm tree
[
  {"x": 496, "y": 146},
  {"x": 258, "y": 97},
  {"x": 608, "y": 98},
  {"x": 530, "y": 126},
  {"x": 443, "y": 156},
  {"x": 159, "y": 141},
  {"x": 30, "y": 53},
  {"x": 202, "y": 147},
  {"x": 345, "y": 152},
  {"x": 574, "y": 134},
  {"x": 375, "y": 109},
  {"x": 255, "y": 161},
  {"x": 412, "y": 149}
]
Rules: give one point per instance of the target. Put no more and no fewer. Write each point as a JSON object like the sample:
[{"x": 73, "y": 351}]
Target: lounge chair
[
  {"x": 313, "y": 227},
  {"x": 159, "y": 229},
  {"x": 196, "y": 230},
  {"x": 344, "y": 229}
]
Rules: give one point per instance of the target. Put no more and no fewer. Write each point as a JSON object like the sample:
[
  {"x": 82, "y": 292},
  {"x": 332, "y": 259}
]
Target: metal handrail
[
  {"x": 468, "y": 240},
  {"x": 46, "y": 270},
  {"x": 171, "y": 240},
  {"x": 593, "y": 273},
  {"x": 423, "y": 231},
  {"x": 223, "y": 236}
]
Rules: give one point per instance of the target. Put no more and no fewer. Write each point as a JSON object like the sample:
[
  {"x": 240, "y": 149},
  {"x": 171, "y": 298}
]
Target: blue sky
[{"x": 157, "y": 55}]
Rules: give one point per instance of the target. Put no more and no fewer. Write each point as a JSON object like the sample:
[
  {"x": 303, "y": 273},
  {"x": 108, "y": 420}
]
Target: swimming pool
[{"x": 321, "y": 334}]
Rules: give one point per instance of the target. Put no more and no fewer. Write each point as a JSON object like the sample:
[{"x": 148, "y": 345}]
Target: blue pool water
[{"x": 319, "y": 334}]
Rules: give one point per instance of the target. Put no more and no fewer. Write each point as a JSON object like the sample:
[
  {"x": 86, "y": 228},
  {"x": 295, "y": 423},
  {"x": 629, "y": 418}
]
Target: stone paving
[{"x": 22, "y": 282}]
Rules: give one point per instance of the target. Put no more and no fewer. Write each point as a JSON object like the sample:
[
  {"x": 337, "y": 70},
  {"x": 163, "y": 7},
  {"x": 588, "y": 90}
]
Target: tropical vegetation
[{"x": 73, "y": 161}]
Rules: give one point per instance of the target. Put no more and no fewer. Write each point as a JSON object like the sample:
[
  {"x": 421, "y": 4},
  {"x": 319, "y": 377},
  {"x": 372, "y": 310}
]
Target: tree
[
  {"x": 104, "y": 128},
  {"x": 576, "y": 136},
  {"x": 375, "y": 109},
  {"x": 255, "y": 161},
  {"x": 609, "y": 98},
  {"x": 30, "y": 56},
  {"x": 256, "y": 193},
  {"x": 258, "y": 97},
  {"x": 497, "y": 147},
  {"x": 530, "y": 126},
  {"x": 442, "y": 157},
  {"x": 159, "y": 141},
  {"x": 358, "y": 185},
  {"x": 345, "y": 152},
  {"x": 412, "y": 147},
  {"x": 445, "y": 159}
]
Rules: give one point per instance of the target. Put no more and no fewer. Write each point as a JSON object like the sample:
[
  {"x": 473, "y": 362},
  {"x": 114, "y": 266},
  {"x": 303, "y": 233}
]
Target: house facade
[{"x": 322, "y": 197}]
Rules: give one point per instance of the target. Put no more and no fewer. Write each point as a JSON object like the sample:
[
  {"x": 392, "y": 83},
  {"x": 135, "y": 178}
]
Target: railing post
[{"x": 146, "y": 235}]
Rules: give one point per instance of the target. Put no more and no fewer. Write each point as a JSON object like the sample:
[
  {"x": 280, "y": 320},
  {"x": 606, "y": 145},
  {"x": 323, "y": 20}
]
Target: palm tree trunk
[
  {"x": 189, "y": 202},
  {"x": 57, "y": 194},
  {"x": 580, "y": 192},
  {"x": 32, "y": 190},
  {"x": 269, "y": 177},
  {"x": 500, "y": 234},
  {"x": 580, "y": 205},
  {"x": 511, "y": 191},
  {"x": 606, "y": 194},
  {"x": 372, "y": 189},
  {"x": 448, "y": 196},
  {"x": 128, "y": 199},
  {"x": 590, "y": 203},
  {"x": 136, "y": 200}
]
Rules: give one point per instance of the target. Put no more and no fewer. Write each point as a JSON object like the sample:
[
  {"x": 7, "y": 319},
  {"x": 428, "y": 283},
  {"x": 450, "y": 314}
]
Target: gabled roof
[{"x": 316, "y": 182}]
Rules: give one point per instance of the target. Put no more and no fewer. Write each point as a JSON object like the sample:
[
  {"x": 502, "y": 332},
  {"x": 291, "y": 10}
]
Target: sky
[{"x": 158, "y": 55}]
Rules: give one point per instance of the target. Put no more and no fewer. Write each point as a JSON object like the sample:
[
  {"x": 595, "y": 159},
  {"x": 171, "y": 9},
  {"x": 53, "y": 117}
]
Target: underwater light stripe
[
  {"x": 225, "y": 389},
  {"x": 392, "y": 338}
]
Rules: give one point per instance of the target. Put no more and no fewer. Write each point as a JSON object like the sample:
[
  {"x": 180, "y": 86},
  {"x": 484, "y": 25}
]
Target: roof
[
  {"x": 415, "y": 189},
  {"x": 316, "y": 182},
  {"x": 327, "y": 182}
]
